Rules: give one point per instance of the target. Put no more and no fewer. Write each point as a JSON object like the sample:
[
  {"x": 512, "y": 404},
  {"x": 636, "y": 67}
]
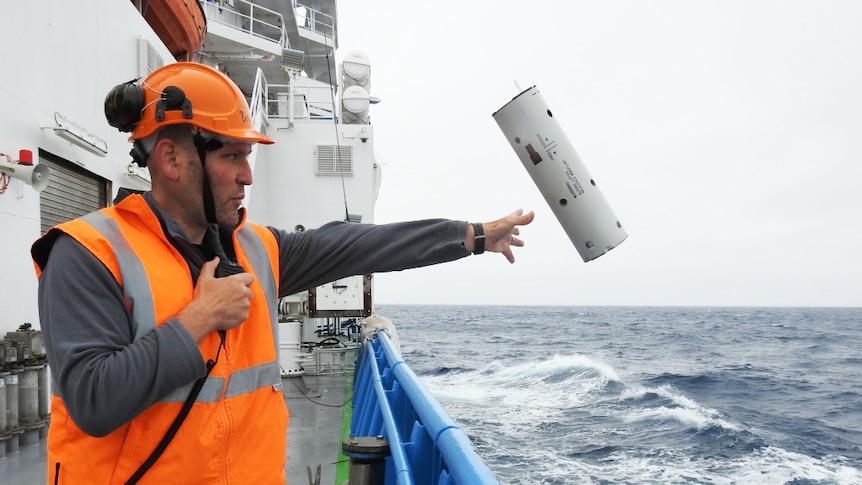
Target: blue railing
[{"x": 427, "y": 447}]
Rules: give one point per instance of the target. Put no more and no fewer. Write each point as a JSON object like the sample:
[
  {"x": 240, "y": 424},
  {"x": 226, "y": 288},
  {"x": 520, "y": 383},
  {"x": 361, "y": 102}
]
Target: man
[{"x": 159, "y": 313}]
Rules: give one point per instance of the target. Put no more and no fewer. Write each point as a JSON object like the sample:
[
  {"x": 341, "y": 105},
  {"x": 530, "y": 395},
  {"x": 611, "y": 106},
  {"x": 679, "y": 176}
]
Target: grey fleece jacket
[{"x": 106, "y": 378}]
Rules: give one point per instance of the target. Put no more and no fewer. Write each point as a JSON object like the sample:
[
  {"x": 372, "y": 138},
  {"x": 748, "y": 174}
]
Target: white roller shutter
[{"x": 71, "y": 192}]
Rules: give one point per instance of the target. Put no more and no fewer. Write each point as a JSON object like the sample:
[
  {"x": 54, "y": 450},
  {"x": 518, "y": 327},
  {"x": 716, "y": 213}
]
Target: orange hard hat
[{"x": 194, "y": 94}]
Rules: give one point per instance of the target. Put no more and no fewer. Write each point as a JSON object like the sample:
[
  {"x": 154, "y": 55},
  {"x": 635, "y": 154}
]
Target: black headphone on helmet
[{"x": 125, "y": 103}]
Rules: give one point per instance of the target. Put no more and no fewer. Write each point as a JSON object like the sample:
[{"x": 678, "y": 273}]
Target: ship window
[
  {"x": 333, "y": 160},
  {"x": 71, "y": 192}
]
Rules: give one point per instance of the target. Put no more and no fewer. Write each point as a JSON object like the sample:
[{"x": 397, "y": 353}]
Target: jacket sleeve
[
  {"x": 103, "y": 375},
  {"x": 340, "y": 249}
]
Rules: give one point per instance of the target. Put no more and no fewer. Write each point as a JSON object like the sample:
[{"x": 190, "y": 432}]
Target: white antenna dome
[
  {"x": 354, "y": 104},
  {"x": 356, "y": 70}
]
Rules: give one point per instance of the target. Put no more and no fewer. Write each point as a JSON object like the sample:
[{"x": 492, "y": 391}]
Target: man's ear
[{"x": 165, "y": 157}]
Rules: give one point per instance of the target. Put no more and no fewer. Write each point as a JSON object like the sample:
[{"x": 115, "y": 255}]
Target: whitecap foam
[
  {"x": 681, "y": 409},
  {"x": 776, "y": 465},
  {"x": 524, "y": 395},
  {"x": 561, "y": 379},
  {"x": 700, "y": 418},
  {"x": 668, "y": 467},
  {"x": 577, "y": 365}
]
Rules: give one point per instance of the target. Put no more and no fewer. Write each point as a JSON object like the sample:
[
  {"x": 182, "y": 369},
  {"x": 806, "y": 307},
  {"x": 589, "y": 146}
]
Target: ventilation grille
[
  {"x": 334, "y": 160},
  {"x": 292, "y": 59},
  {"x": 148, "y": 59}
]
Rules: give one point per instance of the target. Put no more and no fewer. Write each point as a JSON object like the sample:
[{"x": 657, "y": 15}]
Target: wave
[
  {"x": 653, "y": 395},
  {"x": 448, "y": 371},
  {"x": 699, "y": 418},
  {"x": 557, "y": 368},
  {"x": 666, "y": 404},
  {"x": 550, "y": 385},
  {"x": 585, "y": 422},
  {"x": 562, "y": 381},
  {"x": 608, "y": 465}
]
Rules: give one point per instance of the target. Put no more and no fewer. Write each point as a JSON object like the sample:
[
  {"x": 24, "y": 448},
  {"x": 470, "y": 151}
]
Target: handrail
[
  {"x": 403, "y": 475},
  {"x": 253, "y": 22},
  {"x": 390, "y": 400},
  {"x": 248, "y": 18},
  {"x": 299, "y": 102},
  {"x": 257, "y": 103},
  {"x": 314, "y": 21}
]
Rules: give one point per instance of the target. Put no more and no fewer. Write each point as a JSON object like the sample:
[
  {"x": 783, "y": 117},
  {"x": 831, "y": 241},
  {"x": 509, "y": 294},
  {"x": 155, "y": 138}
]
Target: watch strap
[{"x": 478, "y": 238}]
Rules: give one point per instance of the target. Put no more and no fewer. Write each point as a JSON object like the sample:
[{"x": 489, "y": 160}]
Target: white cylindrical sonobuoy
[
  {"x": 560, "y": 175},
  {"x": 28, "y": 395}
]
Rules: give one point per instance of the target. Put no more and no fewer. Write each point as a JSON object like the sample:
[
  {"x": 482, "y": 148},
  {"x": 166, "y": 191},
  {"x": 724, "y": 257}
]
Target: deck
[{"x": 314, "y": 435}]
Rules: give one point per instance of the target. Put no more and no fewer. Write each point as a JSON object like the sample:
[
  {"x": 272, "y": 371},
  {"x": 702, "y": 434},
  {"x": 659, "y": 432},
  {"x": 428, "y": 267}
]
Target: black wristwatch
[{"x": 478, "y": 238}]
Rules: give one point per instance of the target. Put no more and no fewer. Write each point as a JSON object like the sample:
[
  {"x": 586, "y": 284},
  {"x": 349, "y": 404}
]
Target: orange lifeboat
[{"x": 181, "y": 24}]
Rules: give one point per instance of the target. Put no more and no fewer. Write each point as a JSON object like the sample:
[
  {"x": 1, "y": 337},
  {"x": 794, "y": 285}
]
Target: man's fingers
[
  {"x": 246, "y": 278},
  {"x": 209, "y": 268}
]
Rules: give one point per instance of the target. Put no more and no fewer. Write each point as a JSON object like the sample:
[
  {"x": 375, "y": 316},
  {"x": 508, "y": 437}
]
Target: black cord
[
  {"x": 318, "y": 402},
  {"x": 178, "y": 421},
  {"x": 328, "y": 341},
  {"x": 337, "y": 158}
]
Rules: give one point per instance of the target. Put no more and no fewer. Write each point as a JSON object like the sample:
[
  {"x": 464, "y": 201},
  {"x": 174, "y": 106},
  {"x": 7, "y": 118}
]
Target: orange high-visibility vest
[{"x": 236, "y": 430}]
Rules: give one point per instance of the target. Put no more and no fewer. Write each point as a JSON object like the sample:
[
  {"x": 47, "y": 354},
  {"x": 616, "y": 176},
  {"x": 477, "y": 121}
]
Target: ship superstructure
[{"x": 59, "y": 160}]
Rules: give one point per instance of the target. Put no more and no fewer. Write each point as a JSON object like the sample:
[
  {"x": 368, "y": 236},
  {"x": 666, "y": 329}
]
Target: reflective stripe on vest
[
  {"x": 136, "y": 289},
  {"x": 259, "y": 259}
]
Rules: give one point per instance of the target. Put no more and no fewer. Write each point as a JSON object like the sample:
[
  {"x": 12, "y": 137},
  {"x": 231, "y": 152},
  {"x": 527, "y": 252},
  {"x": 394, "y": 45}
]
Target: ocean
[{"x": 647, "y": 395}]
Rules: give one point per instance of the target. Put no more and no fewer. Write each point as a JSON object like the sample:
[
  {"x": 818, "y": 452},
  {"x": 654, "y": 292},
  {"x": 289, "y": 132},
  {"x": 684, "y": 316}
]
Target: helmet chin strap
[{"x": 203, "y": 147}]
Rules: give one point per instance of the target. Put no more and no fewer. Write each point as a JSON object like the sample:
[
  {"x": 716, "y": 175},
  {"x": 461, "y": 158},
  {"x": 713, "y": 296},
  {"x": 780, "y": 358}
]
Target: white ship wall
[
  {"x": 58, "y": 57},
  {"x": 287, "y": 192}
]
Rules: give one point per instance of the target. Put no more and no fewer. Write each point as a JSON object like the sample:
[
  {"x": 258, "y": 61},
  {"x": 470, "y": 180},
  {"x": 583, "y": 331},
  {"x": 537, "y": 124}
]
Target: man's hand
[
  {"x": 219, "y": 303},
  {"x": 500, "y": 234}
]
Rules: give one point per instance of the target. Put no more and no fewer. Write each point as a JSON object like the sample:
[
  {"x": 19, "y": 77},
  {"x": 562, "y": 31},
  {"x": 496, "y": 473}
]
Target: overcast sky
[{"x": 726, "y": 136}]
